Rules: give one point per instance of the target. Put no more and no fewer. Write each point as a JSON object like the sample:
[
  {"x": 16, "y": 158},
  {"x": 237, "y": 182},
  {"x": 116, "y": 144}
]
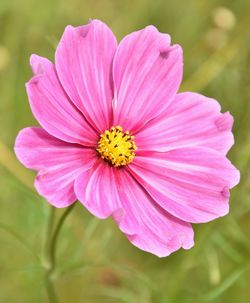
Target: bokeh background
[{"x": 95, "y": 262}]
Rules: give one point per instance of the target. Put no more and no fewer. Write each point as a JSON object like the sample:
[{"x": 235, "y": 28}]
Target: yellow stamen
[{"x": 117, "y": 147}]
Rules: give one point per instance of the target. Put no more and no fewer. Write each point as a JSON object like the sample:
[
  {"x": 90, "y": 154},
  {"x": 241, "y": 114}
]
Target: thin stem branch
[
  {"x": 50, "y": 250},
  {"x": 54, "y": 238},
  {"x": 49, "y": 230},
  {"x": 50, "y": 289}
]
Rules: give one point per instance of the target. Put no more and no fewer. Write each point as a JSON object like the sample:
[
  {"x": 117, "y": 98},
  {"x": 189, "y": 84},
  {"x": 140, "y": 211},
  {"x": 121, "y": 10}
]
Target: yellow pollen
[{"x": 117, "y": 147}]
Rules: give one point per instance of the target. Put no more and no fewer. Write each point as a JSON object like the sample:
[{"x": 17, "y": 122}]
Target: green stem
[{"x": 50, "y": 250}]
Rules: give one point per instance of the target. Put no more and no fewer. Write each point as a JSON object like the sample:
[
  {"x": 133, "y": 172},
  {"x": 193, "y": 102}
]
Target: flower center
[{"x": 117, "y": 147}]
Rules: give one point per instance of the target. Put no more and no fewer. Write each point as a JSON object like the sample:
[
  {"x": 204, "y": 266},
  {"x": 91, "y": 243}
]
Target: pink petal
[
  {"x": 190, "y": 183},
  {"x": 58, "y": 163},
  {"x": 106, "y": 191},
  {"x": 100, "y": 190},
  {"x": 190, "y": 120},
  {"x": 94, "y": 189},
  {"x": 52, "y": 108},
  {"x": 147, "y": 73},
  {"x": 83, "y": 63}
]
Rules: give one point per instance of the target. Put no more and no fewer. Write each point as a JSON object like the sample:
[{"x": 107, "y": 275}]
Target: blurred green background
[{"x": 95, "y": 262}]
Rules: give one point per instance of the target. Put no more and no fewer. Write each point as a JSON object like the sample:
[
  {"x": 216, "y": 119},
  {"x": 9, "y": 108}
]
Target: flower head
[{"x": 117, "y": 136}]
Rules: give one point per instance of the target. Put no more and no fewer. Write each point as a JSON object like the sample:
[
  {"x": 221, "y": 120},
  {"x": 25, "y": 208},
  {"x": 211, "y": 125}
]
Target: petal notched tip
[
  {"x": 38, "y": 64},
  {"x": 188, "y": 244},
  {"x": 225, "y": 192},
  {"x": 235, "y": 178},
  {"x": 225, "y": 122},
  {"x": 33, "y": 81},
  {"x": 175, "y": 50},
  {"x": 84, "y": 30},
  {"x": 158, "y": 248}
]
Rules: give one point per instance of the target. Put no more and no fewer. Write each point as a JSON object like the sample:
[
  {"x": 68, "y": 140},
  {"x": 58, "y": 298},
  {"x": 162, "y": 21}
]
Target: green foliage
[{"x": 95, "y": 262}]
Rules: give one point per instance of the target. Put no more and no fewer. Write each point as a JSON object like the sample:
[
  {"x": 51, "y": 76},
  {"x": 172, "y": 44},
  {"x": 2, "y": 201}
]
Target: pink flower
[{"x": 116, "y": 136}]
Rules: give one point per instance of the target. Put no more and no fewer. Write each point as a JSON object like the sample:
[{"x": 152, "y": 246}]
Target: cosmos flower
[{"x": 117, "y": 136}]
